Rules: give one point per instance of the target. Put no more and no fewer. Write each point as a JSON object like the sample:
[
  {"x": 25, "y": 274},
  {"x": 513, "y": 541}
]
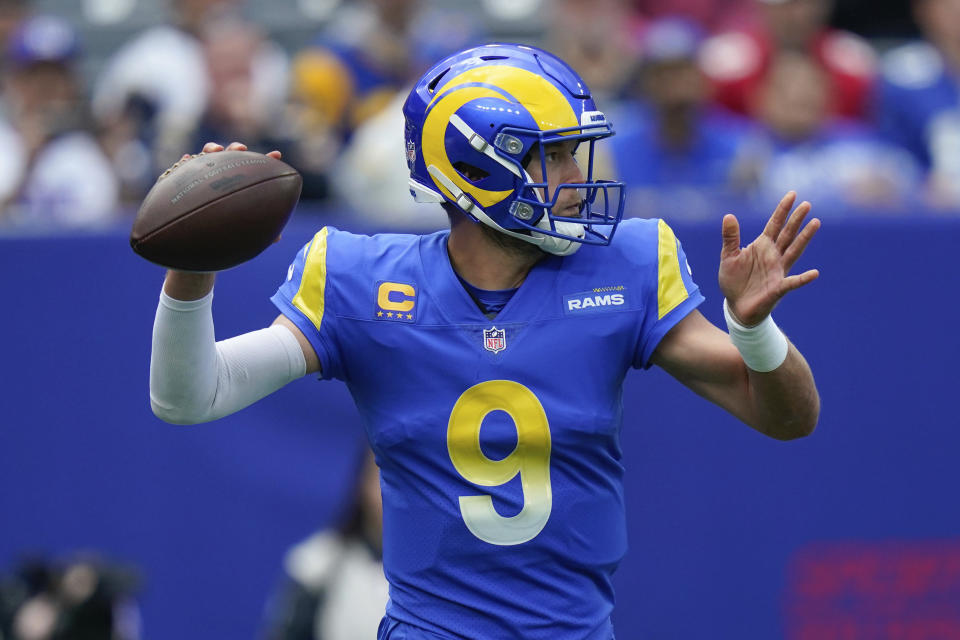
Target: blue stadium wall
[{"x": 851, "y": 533}]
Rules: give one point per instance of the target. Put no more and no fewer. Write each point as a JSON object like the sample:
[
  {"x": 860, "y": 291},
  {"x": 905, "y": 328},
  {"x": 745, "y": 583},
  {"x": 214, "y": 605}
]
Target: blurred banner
[{"x": 851, "y": 533}]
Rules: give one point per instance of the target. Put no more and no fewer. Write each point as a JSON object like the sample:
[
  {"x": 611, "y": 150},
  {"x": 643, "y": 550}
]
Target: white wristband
[{"x": 763, "y": 346}]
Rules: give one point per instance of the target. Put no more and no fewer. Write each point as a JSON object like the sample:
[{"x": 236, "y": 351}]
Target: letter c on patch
[{"x": 389, "y": 292}]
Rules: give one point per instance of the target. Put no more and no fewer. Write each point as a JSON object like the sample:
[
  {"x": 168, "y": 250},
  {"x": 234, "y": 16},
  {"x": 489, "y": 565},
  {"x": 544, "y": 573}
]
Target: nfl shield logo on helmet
[
  {"x": 494, "y": 339},
  {"x": 411, "y": 153}
]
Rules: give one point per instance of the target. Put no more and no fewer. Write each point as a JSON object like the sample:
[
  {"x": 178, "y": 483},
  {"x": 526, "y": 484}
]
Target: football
[{"x": 215, "y": 210}]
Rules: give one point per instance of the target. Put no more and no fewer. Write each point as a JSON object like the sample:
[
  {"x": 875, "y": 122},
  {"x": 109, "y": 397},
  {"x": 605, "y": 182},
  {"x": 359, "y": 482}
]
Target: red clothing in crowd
[{"x": 736, "y": 62}]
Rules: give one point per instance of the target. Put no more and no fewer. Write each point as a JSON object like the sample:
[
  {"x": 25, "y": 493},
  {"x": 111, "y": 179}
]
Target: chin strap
[{"x": 553, "y": 244}]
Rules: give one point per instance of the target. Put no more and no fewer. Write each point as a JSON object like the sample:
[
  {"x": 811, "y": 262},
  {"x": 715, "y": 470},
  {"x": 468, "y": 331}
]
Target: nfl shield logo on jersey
[{"x": 494, "y": 339}]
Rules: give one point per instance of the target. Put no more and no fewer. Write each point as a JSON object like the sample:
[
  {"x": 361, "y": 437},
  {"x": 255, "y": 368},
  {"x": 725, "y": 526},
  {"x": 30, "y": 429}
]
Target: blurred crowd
[{"x": 714, "y": 101}]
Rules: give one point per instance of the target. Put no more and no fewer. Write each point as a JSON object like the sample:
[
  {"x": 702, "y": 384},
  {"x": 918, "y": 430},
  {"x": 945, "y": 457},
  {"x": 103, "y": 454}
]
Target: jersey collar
[{"x": 455, "y": 304}]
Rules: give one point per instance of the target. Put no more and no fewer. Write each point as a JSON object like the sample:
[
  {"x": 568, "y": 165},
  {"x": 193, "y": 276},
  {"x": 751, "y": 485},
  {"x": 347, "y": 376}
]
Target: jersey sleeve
[
  {"x": 304, "y": 297},
  {"x": 670, "y": 293}
]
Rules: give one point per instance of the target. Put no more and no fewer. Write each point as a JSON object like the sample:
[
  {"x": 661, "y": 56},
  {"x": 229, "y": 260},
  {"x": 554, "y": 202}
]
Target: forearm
[
  {"x": 195, "y": 379},
  {"x": 782, "y": 396},
  {"x": 784, "y": 403},
  {"x": 183, "y": 359}
]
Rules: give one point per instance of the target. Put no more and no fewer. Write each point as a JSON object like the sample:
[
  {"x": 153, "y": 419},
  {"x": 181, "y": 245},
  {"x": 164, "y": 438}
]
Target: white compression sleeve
[{"x": 195, "y": 379}]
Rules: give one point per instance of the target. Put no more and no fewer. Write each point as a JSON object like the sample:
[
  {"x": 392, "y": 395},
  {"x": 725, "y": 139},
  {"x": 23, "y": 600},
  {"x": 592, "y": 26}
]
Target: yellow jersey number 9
[{"x": 530, "y": 458}]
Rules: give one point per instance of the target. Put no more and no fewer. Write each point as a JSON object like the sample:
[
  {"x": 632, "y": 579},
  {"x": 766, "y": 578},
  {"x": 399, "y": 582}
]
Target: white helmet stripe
[
  {"x": 481, "y": 145},
  {"x": 550, "y": 244},
  {"x": 471, "y": 207}
]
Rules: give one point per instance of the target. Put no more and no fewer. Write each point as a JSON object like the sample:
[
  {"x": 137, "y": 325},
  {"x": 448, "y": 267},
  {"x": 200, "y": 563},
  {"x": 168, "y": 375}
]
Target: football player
[{"x": 502, "y": 488}]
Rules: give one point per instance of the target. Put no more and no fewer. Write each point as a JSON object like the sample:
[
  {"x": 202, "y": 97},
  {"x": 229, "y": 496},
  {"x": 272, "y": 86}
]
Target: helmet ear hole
[{"x": 470, "y": 172}]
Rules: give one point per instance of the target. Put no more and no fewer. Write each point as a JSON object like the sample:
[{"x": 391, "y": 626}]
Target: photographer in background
[
  {"x": 84, "y": 599},
  {"x": 336, "y": 589}
]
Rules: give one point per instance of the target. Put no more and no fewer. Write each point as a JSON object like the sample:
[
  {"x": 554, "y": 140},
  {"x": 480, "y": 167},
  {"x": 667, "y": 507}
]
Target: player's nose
[
  {"x": 569, "y": 200},
  {"x": 571, "y": 170}
]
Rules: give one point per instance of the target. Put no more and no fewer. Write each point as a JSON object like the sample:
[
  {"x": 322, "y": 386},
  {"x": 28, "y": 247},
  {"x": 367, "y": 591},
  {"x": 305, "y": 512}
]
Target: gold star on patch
[
  {"x": 389, "y": 314},
  {"x": 409, "y": 316},
  {"x": 379, "y": 314}
]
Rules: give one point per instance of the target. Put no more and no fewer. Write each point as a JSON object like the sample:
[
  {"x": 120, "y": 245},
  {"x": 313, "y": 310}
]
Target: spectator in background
[
  {"x": 336, "y": 588},
  {"x": 12, "y": 12},
  {"x": 918, "y": 98},
  {"x": 670, "y": 141},
  {"x": 839, "y": 163},
  {"x": 235, "y": 108},
  {"x": 359, "y": 62},
  {"x": 163, "y": 67},
  {"x": 737, "y": 61},
  {"x": 347, "y": 78},
  {"x": 151, "y": 95},
  {"x": 596, "y": 37},
  {"x": 55, "y": 173},
  {"x": 371, "y": 167}
]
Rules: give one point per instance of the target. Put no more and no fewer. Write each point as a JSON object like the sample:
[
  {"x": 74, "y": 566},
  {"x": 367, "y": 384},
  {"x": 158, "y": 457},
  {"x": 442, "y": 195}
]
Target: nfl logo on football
[{"x": 494, "y": 340}]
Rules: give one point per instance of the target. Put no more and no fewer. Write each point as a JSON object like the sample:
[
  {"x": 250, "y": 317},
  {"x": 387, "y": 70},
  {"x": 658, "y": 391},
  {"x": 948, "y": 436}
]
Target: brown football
[{"x": 215, "y": 211}]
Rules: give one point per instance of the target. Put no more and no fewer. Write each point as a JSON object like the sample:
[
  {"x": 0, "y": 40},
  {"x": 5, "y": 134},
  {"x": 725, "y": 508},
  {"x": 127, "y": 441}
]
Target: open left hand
[{"x": 754, "y": 278}]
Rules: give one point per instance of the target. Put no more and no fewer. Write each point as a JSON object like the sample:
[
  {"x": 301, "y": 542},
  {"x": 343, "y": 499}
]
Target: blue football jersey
[{"x": 497, "y": 440}]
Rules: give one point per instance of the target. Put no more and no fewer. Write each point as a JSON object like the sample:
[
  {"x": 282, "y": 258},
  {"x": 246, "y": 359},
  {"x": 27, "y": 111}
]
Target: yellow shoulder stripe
[
  {"x": 313, "y": 282},
  {"x": 670, "y": 288}
]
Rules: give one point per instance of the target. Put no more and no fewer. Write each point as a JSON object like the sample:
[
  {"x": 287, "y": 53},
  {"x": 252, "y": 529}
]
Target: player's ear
[{"x": 470, "y": 172}]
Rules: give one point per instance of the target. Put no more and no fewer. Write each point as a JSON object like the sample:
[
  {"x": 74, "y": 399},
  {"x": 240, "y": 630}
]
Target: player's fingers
[
  {"x": 799, "y": 245},
  {"x": 212, "y": 147},
  {"x": 730, "y": 230},
  {"x": 794, "y": 222},
  {"x": 775, "y": 223},
  {"x": 236, "y": 146},
  {"x": 792, "y": 283},
  {"x": 275, "y": 154}
]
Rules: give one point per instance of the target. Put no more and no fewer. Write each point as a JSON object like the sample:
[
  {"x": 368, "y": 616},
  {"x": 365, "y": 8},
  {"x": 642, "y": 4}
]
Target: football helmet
[{"x": 476, "y": 119}]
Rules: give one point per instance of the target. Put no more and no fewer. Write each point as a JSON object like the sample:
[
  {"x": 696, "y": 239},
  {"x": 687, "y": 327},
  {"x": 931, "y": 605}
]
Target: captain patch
[{"x": 396, "y": 302}]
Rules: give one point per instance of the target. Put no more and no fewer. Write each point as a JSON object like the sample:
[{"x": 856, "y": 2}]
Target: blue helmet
[{"x": 473, "y": 122}]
